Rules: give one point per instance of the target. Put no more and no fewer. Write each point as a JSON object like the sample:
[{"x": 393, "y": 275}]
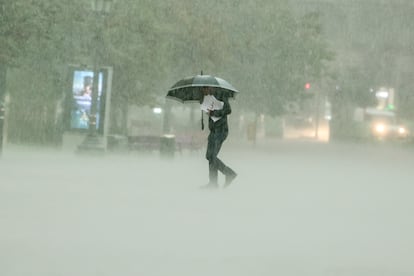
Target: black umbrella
[{"x": 188, "y": 89}]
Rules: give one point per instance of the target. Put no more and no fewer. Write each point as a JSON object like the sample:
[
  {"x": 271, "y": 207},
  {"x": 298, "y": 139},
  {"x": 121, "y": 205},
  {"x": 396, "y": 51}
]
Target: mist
[
  {"x": 100, "y": 173},
  {"x": 295, "y": 209}
]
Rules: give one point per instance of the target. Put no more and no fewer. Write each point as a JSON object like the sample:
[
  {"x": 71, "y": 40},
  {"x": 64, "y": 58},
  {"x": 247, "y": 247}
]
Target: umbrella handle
[{"x": 202, "y": 120}]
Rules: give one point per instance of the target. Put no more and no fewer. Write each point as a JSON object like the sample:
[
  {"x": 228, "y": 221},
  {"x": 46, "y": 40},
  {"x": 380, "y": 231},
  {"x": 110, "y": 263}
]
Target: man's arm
[{"x": 226, "y": 110}]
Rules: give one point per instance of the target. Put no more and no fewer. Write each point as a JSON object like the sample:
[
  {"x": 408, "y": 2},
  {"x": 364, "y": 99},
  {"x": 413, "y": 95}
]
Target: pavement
[{"x": 296, "y": 208}]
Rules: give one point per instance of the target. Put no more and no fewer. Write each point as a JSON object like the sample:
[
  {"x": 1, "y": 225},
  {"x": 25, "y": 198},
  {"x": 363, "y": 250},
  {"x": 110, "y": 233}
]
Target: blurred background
[
  {"x": 320, "y": 136},
  {"x": 322, "y": 70}
]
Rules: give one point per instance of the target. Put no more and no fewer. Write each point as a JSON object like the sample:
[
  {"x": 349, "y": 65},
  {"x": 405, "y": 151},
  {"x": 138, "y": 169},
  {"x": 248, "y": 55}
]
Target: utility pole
[
  {"x": 317, "y": 113},
  {"x": 94, "y": 142}
]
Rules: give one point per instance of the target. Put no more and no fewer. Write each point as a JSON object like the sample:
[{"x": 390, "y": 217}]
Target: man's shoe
[
  {"x": 229, "y": 179},
  {"x": 210, "y": 186}
]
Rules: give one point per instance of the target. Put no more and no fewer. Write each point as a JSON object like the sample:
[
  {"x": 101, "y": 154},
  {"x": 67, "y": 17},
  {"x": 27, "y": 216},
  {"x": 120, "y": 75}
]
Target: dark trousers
[{"x": 215, "y": 140}]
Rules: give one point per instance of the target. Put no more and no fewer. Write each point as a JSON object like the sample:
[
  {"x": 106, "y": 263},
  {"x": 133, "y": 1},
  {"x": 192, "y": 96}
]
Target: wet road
[{"x": 295, "y": 209}]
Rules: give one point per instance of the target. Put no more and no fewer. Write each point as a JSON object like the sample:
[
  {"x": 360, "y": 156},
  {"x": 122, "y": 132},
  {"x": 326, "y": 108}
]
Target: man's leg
[
  {"x": 211, "y": 154},
  {"x": 215, "y": 142},
  {"x": 227, "y": 171},
  {"x": 212, "y": 173}
]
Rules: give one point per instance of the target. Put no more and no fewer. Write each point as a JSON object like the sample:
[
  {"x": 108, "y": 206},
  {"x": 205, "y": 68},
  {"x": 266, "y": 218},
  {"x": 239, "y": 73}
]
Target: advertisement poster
[{"x": 82, "y": 89}]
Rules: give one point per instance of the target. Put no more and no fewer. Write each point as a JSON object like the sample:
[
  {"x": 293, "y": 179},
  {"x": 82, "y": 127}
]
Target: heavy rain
[{"x": 102, "y": 174}]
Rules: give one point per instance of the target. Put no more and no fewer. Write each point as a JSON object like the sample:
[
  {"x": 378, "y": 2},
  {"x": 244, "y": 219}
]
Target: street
[{"x": 295, "y": 209}]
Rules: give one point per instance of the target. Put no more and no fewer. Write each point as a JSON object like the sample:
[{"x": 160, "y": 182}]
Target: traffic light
[{"x": 307, "y": 85}]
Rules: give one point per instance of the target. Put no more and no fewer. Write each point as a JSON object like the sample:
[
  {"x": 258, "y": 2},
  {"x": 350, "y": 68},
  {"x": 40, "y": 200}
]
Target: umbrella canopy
[{"x": 188, "y": 89}]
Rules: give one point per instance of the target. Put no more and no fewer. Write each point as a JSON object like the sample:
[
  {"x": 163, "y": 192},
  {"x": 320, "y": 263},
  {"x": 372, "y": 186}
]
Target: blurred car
[
  {"x": 385, "y": 126},
  {"x": 386, "y": 130}
]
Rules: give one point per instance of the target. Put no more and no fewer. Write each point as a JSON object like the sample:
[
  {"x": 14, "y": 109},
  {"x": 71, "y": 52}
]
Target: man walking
[{"x": 219, "y": 130}]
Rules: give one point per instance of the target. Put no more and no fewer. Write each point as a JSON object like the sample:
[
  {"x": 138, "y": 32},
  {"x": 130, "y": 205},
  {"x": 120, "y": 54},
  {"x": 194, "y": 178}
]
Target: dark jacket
[{"x": 221, "y": 125}]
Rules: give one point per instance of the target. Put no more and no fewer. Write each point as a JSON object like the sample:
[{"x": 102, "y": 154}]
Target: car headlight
[
  {"x": 402, "y": 130},
  {"x": 380, "y": 128}
]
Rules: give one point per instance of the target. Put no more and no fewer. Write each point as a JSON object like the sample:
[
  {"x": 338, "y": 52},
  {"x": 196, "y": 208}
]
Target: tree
[
  {"x": 276, "y": 54},
  {"x": 260, "y": 47},
  {"x": 15, "y": 30},
  {"x": 152, "y": 44},
  {"x": 35, "y": 48}
]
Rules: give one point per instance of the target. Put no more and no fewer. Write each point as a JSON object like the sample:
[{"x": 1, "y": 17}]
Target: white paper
[{"x": 211, "y": 103}]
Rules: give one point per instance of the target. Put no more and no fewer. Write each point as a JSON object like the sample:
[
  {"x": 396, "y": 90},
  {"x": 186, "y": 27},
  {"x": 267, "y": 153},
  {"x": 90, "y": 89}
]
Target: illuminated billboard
[
  {"x": 82, "y": 89},
  {"x": 79, "y": 98}
]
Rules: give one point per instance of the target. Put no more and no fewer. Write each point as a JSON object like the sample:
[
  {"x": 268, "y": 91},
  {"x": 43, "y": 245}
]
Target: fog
[
  {"x": 321, "y": 137},
  {"x": 296, "y": 208}
]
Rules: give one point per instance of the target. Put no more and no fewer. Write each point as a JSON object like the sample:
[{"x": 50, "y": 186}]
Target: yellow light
[
  {"x": 401, "y": 130},
  {"x": 380, "y": 128}
]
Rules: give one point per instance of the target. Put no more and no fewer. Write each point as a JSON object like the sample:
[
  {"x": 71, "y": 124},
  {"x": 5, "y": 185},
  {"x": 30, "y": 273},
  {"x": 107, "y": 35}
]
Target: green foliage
[
  {"x": 278, "y": 53},
  {"x": 259, "y": 46},
  {"x": 373, "y": 45},
  {"x": 35, "y": 50},
  {"x": 14, "y": 29}
]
